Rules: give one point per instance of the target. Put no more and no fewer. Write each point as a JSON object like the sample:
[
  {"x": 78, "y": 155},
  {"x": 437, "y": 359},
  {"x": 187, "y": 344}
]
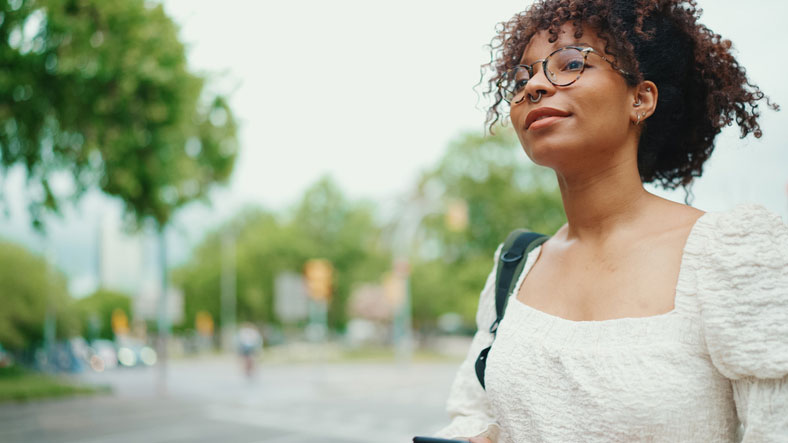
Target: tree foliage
[
  {"x": 503, "y": 191},
  {"x": 501, "y": 188},
  {"x": 324, "y": 224},
  {"x": 28, "y": 289},
  {"x": 346, "y": 233},
  {"x": 101, "y": 90},
  {"x": 95, "y": 311},
  {"x": 489, "y": 173}
]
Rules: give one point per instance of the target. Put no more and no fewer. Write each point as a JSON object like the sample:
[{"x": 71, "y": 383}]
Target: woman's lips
[
  {"x": 544, "y": 122},
  {"x": 543, "y": 117}
]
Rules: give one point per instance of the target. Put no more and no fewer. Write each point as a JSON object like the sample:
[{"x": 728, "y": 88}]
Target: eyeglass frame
[{"x": 530, "y": 68}]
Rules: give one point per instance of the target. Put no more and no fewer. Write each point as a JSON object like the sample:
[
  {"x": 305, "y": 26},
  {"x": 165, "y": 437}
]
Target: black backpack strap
[
  {"x": 519, "y": 243},
  {"x": 516, "y": 248}
]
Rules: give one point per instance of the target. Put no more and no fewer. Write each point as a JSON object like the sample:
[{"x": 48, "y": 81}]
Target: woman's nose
[{"x": 539, "y": 83}]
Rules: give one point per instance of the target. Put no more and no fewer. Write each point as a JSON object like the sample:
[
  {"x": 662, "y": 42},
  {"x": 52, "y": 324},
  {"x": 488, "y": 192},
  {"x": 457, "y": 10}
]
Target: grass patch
[{"x": 19, "y": 385}]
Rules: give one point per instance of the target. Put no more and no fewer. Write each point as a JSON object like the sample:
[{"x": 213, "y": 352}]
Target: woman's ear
[{"x": 644, "y": 102}]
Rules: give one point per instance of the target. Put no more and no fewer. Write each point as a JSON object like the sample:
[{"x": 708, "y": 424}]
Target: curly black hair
[{"x": 702, "y": 87}]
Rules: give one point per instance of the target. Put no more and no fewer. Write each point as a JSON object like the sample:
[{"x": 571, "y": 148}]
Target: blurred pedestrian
[{"x": 250, "y": 343}]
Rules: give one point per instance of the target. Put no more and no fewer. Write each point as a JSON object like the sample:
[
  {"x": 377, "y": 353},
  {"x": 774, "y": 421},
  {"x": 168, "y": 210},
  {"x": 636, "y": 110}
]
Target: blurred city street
[
  {"x": 209, "y": 399},
  {"x": 270, "y": 222}
]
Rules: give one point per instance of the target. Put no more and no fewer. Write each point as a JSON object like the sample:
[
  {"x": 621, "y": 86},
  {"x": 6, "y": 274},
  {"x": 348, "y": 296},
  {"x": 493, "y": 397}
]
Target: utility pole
[
  {"x": 228, "y": 289},
  {"x": 50, "y": 319},
  {"x": 402, "y": 327},
  {"x": 163, "y": 321}
]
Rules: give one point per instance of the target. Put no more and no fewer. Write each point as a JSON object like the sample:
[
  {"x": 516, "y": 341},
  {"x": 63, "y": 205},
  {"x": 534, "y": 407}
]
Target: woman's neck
[{"x": 602, "y": 202}]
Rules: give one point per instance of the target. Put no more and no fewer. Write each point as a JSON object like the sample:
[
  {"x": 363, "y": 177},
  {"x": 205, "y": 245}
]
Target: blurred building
[
  {"x": 371, "y": 302},
  {"x": 146, "y": 302},
  {"x": 120, "y": 257},
  {"x": 371, "y": 313},
  {"x": 291, "y": 300}
]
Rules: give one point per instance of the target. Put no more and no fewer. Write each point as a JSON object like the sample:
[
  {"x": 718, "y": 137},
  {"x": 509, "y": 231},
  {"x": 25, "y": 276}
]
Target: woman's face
[{"x": 590, "y": 122}]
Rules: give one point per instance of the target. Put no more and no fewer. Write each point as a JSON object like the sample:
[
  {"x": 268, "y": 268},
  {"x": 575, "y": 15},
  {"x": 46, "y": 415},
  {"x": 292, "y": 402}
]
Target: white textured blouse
[{"x": 715, "y": 368}]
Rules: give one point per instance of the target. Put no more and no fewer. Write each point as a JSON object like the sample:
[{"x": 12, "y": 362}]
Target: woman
[{"x": 640, "y": 319}]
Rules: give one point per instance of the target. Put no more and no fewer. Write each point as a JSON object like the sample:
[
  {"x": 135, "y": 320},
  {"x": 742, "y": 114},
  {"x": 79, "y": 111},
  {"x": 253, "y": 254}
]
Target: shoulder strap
[
  {"x": 516, "y": 248},
  {"x": 519, "y": 243}
]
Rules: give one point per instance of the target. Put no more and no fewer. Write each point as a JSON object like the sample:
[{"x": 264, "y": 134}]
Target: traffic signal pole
[
  {"x": 319, "y": 277},
  {"x": 404, "y": 238}
]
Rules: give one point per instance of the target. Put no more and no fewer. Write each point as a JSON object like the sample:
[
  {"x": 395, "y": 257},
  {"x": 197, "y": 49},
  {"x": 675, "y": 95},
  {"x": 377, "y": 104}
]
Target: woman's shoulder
[
  {"x": 747, "y": 232},
  {"x": 742, "y": 215},
  {"x": 741, "y": 265}
]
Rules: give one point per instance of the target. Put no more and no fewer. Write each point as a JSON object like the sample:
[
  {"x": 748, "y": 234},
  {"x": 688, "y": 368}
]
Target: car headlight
[
  {"x": 126, "y": 357},
  {"x": 148, "y": 356}
]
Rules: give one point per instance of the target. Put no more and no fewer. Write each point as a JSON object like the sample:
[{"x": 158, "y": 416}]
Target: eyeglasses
[{"x": 562, "y": 68}]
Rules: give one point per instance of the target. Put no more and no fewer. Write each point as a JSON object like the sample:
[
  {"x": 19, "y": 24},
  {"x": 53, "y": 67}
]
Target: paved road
[{"x": 208, "y": 400}]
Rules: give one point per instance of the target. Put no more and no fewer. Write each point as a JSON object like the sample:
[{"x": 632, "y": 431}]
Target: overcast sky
[{"x": 371, "y": 92}]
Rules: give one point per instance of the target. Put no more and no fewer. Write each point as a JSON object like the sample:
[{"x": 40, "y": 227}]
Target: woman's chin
[{"x": 548, "y": 154}]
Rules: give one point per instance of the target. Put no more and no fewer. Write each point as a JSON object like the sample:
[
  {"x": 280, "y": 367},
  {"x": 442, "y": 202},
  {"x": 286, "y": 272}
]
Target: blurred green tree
[
  {"x": 200, "y": 277},
  {"x": 345, "y": 233},
  {"x": 324, "y": 224},
  {"x": 101, "y": 90},
  {"x": 99, "y": 93},
  {"x": 28, "y": 288},
  {"x": 502, "y": 191},
  {"x": 96, "y": 311}
]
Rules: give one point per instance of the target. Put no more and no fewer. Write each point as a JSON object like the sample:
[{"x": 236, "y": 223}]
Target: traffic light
[
  {"x": 319, "y": 275},
  {"x": 119, "y": 322},
  {"x": 203, "y": 322}
]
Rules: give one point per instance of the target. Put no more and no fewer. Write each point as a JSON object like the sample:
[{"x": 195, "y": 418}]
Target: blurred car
[
  {"x": 135, "y": 353},
  {"x": 60, "y": 356},
  {"x": 102, "y": 355}
]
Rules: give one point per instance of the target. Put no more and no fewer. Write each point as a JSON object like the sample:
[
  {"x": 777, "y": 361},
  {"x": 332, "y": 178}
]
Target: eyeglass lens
[{"x": 563, "y": 68}]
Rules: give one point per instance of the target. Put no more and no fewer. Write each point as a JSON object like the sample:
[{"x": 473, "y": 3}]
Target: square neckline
[{"x": 678, "y": 290}]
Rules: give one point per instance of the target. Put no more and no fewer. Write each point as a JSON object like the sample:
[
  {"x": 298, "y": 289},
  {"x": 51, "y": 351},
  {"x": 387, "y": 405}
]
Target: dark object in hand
[{"x": 435, "y": 440}]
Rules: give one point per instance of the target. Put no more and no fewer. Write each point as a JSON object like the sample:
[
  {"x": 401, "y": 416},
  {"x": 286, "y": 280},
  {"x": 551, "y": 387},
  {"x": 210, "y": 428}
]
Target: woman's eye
[
  {"x": 520, "y": 84},
  {"x": 573, "y": 65}
]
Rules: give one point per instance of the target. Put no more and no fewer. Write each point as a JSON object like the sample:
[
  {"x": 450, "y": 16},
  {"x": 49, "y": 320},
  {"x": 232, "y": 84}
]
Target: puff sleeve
[
  {"x": 467, "y": 404},
  {"x": 743, "y": 302}
]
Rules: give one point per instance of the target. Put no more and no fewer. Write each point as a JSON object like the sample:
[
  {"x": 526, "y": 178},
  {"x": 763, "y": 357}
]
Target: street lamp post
[
  {"x": 404, "y": 236},
  {"x": 163, "y": 323},
  {"x": 50, "y": 317},
  {"x": 228, "y": 290},
  {"x": 402, "y": 327}
]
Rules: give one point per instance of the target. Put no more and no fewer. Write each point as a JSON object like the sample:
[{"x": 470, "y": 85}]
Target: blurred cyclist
[{"x": 250, "y": 342}]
